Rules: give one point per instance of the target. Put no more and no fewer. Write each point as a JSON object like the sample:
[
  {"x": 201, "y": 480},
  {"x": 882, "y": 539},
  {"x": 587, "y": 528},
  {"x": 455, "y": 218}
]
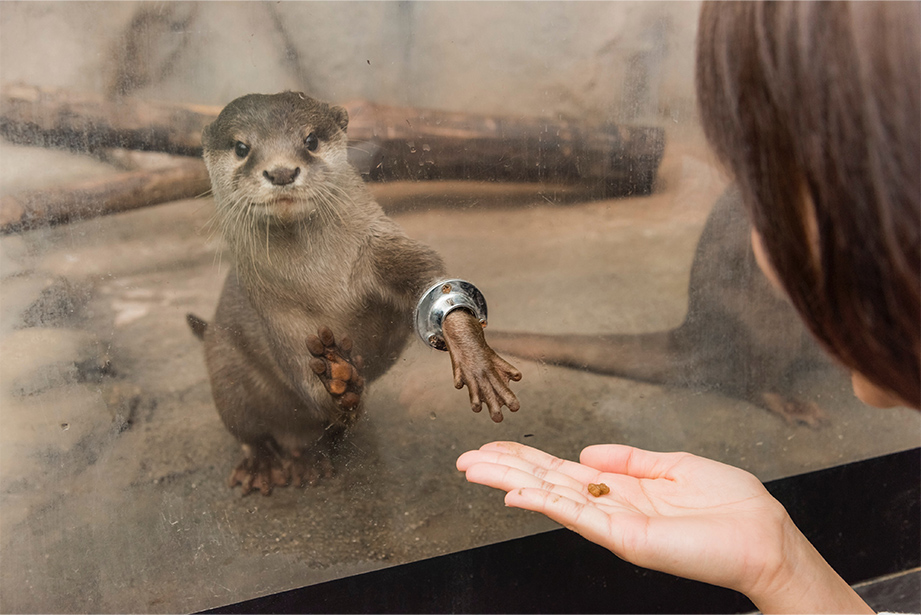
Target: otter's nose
[{"x": 281, "y": 176}]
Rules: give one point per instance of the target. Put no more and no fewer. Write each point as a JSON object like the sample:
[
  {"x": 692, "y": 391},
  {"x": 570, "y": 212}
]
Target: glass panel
[{"x": 114, "y": 460}]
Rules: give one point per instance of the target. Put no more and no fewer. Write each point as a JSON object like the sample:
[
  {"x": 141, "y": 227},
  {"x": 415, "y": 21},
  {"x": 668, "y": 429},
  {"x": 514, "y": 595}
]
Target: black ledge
[{"x": 864, "y": 517}]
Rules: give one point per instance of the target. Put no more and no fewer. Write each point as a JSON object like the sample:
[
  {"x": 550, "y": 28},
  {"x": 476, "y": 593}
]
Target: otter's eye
[
  {"x": 311, "y": 142},
  {"x": 241, "y": 149}
]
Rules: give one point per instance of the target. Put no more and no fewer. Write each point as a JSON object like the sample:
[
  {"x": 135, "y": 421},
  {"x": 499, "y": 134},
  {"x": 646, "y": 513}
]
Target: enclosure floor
[{"x": 113, "y": 484}]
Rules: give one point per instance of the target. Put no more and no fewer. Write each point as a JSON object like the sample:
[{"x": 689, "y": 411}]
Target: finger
[
  {"x": 458, "y": 376},
  {"x": 476, "y": 403},
  {"x": 456, "y": 370},
  {"x": 478, "y": 456},
  {"x": 576, "y": 514},
  {"x": 581, "y": 473},
  {"x": 492, "y": 403},
  {"x": 510, "y": 400},
  {"x": 507, "y": 478},
  {"x": 466, "y": 460},
  {"x": 504, "y": 393},
  {"x": 504, "y": 367},
  {"x": 635, "y": 462},
  {"x": 469, "y": 458},
  {"x": 511, "y": 461}
]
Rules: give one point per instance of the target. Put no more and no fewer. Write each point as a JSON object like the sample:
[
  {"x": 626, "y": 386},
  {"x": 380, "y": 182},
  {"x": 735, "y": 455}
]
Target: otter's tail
[
  {"x": 197, "y": 325},
  {"x": 648, "y": 357}
]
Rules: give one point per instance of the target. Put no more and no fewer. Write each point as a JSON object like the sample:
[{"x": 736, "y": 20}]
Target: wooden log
[
  {"x": 405, "y": 143},
  {"x": 387, "y": 143},
  {"x": 62, "y": 118},
  {"x": 102, "y": 196}
]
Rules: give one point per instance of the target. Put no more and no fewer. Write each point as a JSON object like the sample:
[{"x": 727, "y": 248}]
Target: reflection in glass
[{"x": 114, "y": 461}]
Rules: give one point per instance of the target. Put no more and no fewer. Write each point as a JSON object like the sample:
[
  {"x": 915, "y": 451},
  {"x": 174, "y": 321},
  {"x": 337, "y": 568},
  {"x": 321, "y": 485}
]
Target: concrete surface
[{"x": 113, "y": 461}]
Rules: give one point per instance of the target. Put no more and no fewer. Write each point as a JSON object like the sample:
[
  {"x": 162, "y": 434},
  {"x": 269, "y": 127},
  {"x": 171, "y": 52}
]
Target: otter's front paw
[
  {"x": 336, "y": 368},
  {"x": 476, "y": 365}
]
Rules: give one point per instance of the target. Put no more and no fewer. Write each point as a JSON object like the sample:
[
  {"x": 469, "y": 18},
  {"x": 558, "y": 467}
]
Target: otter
[
  {"x": 322, "y": 295},
  {"x": 740, "y": 336}
]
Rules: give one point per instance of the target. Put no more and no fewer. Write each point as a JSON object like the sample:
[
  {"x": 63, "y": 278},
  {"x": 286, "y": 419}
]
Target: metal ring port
[{"x": 439, "y": 301}]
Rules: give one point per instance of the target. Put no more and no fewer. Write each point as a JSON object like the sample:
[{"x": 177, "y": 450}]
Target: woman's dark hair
[{"x": 814, "y": 108}]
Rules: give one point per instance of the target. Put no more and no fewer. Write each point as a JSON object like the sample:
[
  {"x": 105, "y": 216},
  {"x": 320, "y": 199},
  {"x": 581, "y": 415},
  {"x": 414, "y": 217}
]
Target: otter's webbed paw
[
  {"x": 476, "y": 365},
  {"x": 261, "y": 469},
  {"x": 336, "y": 368},
  {"x": 795, "y": 410}
]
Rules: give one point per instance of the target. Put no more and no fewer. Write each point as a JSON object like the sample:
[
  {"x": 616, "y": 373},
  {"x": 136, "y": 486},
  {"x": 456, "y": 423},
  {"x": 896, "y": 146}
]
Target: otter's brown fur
[{"x": 315, "y": 258}]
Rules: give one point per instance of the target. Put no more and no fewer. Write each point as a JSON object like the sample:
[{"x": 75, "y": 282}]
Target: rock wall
[{"x": 610, "y": 61}]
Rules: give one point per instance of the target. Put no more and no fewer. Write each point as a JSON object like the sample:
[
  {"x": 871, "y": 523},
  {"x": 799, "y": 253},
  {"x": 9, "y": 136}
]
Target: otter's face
[{"x": 276, "y": 155}]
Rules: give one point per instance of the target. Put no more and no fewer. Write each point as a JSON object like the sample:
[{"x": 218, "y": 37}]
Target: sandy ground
[{"x": 113, "y": 461}]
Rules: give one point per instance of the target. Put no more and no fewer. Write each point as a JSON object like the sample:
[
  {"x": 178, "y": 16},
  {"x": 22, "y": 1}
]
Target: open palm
[{"x": 673, "y": 512}]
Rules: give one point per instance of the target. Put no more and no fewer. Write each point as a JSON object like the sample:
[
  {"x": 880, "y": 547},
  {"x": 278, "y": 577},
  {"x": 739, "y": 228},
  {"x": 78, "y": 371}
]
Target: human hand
[
  {"x": 475, "y": 364},
  {"x": 673, "y": 512}
]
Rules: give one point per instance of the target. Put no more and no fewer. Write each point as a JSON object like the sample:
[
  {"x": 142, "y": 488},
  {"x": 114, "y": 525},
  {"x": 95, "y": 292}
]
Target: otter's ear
[
  {"x": 341, "y": 116},
  {"x": 206, "y": 136}
]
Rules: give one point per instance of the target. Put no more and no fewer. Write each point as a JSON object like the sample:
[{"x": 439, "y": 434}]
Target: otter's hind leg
[
  {"x": 271, "y": 422},
  {"x": 262, "y": 468},
  {"x": 339, "y": 373},
  {"x": 272, "y": 464},
  {"x": 286, "y": 461}
]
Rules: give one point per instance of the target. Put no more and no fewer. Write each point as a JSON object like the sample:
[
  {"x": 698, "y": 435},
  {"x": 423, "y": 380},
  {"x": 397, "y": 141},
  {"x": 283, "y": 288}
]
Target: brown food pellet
[{"x": 599, "y": 489}]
